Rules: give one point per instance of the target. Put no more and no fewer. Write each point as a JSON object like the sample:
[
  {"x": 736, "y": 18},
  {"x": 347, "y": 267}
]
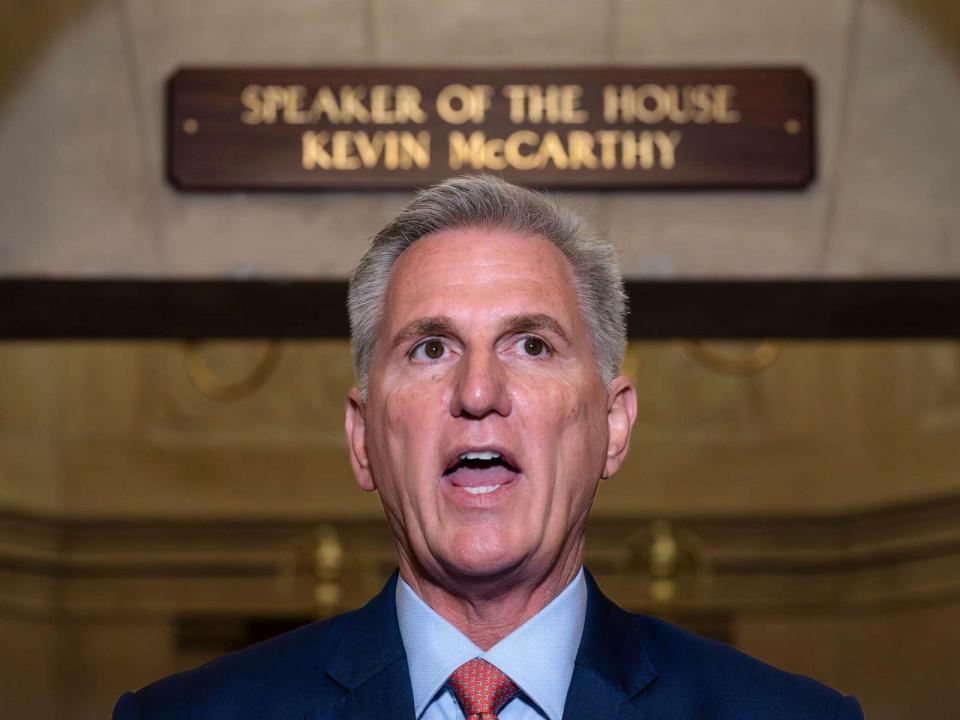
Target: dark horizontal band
[{"x": 659, "y": 309}]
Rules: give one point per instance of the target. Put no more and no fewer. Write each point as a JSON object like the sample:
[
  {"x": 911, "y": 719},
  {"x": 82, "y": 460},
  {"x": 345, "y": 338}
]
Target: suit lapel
[
  {"x": 387, "y": 696},
  {"x": 591, "y": 696},
  {"x": 612, "y": 667},
  {"x": 369, "y": 665}
]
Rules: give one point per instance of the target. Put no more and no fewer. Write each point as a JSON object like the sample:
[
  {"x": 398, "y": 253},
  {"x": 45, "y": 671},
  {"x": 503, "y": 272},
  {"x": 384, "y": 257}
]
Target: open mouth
[{"x": 481, "y": 472}]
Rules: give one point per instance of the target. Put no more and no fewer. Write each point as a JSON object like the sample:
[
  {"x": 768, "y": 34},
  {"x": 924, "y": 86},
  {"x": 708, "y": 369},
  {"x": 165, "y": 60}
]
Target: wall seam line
[
  {"x": 132, "y": 71},
  {"x": 846, "y": 89}
]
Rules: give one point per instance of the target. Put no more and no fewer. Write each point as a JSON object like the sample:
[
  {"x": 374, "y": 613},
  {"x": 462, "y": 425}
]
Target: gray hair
[{"x": 488, "y": 202}]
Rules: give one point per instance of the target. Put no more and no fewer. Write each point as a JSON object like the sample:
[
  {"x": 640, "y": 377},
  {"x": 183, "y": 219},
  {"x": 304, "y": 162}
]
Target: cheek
[
  {"x": 541, "y": 416},
  {"x": 568, "y": 425},
  {"x": 403, "y": 440},
  {"x": 564, "y": 413}
]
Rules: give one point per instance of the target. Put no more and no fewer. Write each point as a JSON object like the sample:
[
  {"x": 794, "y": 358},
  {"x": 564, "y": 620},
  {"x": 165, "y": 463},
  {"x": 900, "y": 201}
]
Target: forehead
[{"x": 471, "y": 270}]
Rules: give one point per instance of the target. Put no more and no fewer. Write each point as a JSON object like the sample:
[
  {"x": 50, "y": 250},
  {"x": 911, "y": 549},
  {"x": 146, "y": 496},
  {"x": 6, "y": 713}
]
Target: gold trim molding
[{"x": 905, "y": 555}]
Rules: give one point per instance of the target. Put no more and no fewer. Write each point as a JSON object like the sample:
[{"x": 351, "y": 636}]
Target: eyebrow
[
  {"x": 534, "y": 322},
  {"x": 439, "y": 325},
  {"x": 421, "y": 327}
]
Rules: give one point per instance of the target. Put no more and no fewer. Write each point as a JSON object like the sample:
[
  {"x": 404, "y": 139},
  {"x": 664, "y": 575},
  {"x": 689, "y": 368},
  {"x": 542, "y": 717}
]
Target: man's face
[{"x": 486, "y": 425}]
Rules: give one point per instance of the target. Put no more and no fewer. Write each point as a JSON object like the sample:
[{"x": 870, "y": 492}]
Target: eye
[
  {"x": 432, "y": 349},
  {"x": 534, "y": 346}
]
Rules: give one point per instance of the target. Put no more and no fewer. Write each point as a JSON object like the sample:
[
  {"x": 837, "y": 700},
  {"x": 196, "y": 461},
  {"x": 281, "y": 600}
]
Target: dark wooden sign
[{"x": 392, "y": 128}]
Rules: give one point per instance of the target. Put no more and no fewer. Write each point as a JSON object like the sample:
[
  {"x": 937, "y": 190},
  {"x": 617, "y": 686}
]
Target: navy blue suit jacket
[{"x": 353, "y": 666}]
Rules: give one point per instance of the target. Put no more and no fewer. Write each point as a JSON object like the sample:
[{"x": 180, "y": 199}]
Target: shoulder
[
  {"x": 714, "y": 680},
  {"x": 277, "y": 678}
]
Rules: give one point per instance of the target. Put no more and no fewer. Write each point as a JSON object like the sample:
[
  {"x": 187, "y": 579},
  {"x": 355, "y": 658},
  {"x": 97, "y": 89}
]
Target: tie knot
[{"x": 482, "y": 689}]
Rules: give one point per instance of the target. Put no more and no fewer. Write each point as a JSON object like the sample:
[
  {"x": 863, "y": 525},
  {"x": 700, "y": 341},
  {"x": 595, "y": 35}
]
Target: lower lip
[{"x": 486, "y": 499}]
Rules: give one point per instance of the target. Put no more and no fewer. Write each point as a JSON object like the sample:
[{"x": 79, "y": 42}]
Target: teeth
[
  {"x": 481, "y": 489},
  {"x": 480, "y": 455}
]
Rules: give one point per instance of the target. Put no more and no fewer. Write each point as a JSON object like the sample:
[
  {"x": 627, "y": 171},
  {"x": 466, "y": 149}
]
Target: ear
[
  {"x": 621, "y": 414},
  {"x": 356, "y": 428}
]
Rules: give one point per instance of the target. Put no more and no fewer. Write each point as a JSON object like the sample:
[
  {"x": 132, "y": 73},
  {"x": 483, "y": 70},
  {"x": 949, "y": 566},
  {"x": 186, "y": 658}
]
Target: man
[{"x": 488, "y": 332}]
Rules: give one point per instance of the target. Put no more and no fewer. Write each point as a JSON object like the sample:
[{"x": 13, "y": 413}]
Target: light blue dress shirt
[{"x": 538, "y": 656}]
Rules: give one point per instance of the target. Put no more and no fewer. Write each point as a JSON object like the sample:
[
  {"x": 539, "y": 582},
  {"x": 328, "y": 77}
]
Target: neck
[{"x": 486, "y": 610}]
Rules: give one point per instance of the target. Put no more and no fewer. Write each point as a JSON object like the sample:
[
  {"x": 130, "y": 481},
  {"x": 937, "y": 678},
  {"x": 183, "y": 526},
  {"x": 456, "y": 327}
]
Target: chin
[{"x": 479, "y": 554}]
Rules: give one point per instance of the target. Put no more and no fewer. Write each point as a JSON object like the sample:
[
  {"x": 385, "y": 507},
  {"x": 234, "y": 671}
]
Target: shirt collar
[{"x": 538, "y": 656}]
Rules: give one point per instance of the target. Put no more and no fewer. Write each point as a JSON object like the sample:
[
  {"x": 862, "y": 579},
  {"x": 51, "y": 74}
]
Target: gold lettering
[
  {"x": 679, "y": 109},
  {"x": 511, "y": 150},
  {"x": 651, "y": 104},
  {"x": 342, "y": 151},
  {"x": 723, "y": 110},
  {"x": 404, "y": 150},
  {"x": 570, "y": 110},
  {"x": 353, "y": 149},
  {"x": 273, "y": 98},
  {"x": 515, "y": 94},
  {"x": 391, "y": 155},
  {"x": 634, "y": 146},
  {"x": 408, "y": 105},
  {"x": 478, "y": 151},
  {"x": 325, "y": 103},
  {"x": 252, "y": 98},
  {"x": 351, "y": 104},
  {"x": 701, "y": 103},
  {"x": 493, "y": 157},
  {"x": 381, "y": 104},
  {"x": 549, "y": 99},
  {"x": 578, "y": 149},
  {"x": 463, "y": 151},
  {"x": 535, "y": 103},
  {"x": 266, "y": 103},
  {"x": 414, "y": 150},
  {"x": 270, "y": 103},
  {"x": 667, "y": 145},
  {"x": 471, "y": 103},
  {"x": 387, "y": 104},
  {"x": 647, "y": 147},
  {"x": 580, "y": 146},
  {"x": 612, "y": 101},
  {"x": 293, "y": 113},
  {"x": 552, "y": 149},
  {"x": 608, "y": 140},
  {"x": 314, "y": 152},
  {"x": 628, "y": 101},
  {"x": 552, "y": 104},
  {"x": 395, "y": 105},
  {"x": 369, "y": 149}
]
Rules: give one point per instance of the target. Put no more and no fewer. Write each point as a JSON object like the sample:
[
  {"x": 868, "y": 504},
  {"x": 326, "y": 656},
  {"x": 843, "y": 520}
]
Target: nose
[{"x": 481, "y": 386}]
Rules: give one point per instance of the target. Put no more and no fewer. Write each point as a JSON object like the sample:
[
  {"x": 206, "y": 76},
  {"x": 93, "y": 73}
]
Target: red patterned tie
[{"x": 481, "y": 689}]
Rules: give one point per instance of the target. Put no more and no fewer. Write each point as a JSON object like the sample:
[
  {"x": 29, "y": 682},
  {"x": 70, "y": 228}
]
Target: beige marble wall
[
  {"x": 30, "y": 669},
  {"x": 29, "y": 467},
  {"x": 102, "y": 659},
  {"x": 114, "y": 430},
  {"x": 900, "y": 662},
  {"x": 82, "y": 189}
]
